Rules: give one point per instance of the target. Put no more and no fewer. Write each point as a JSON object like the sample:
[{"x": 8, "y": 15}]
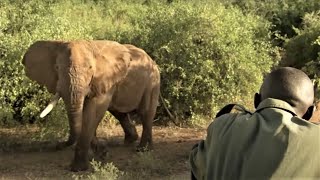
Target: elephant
[
  {"x": 315, "y": 118},
  {"x": 93, "y": 77}
]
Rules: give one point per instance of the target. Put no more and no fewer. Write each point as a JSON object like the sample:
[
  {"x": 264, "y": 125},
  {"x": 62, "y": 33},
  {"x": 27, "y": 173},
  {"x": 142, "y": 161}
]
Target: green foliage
[
  {"x": 304, "y": 47},
  {"x": 284, "y": 14},
  {"x": 106, "y": 171},
  {"x": 55, "y": 126},
  {"x": 303, "y": 51},
  {"x": 209, "y": 55},
  {"x": 22, "y": 23},
  {"x": 295, "y": 25}
]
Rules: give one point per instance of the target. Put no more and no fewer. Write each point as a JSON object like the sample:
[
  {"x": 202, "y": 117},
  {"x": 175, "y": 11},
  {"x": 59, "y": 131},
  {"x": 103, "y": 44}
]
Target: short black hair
[{"x": 291, "y": 85}]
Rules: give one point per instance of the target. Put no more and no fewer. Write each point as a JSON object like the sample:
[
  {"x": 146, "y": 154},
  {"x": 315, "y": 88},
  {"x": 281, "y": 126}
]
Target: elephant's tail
[{"x": 172, "y": 118}]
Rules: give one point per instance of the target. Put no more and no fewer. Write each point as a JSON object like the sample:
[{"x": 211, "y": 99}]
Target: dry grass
[{"x": 24, "y": 156}]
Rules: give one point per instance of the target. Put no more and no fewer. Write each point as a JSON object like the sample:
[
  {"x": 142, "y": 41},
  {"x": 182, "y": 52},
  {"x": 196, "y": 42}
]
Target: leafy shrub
[
  {"x": 107, "y": 171},
  {"x": 305, "y": 46},
  {"x": 208, "y": 55},
  {"x": 285, "y": 15},
  {"x": 303, "y": 51},
  {"x": 22, "y": 23},
  {"x": 55, "y": 126}
]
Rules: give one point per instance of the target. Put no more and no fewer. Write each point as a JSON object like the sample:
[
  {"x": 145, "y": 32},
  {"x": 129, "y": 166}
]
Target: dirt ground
[{"x": 23, "y": 158}]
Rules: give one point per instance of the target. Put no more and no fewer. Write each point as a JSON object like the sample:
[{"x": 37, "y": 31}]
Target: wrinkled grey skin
[{"x": 93, "y": 77}]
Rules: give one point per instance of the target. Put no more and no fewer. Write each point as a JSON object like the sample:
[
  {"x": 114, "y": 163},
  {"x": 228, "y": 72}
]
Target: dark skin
[{"x": 290, "y": 85}]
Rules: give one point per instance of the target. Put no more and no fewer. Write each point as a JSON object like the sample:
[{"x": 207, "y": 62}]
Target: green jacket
[{"x": 271, "y": 143}]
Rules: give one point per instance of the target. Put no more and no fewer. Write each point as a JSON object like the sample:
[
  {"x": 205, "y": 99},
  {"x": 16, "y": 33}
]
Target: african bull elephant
[
  {"x": 315, "y": 118},
  {"x": 93, "y": 77}
]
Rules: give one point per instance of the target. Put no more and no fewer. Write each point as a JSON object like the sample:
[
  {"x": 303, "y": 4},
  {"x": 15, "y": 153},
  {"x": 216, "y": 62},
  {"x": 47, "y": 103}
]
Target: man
[{"x": 274, "y": 142}]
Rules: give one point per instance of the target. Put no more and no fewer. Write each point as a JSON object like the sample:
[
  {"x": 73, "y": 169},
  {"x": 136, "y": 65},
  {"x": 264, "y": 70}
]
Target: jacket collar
[{"x": 276, "y": 103}]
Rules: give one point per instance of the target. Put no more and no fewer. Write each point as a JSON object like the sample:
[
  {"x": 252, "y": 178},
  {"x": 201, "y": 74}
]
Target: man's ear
[
  {"x": 257, "y": 100},
  {"x": 309, "y": 113}
]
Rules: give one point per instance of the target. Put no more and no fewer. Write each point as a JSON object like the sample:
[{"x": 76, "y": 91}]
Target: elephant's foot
[
  {"x": 131, "y": 135},
  {"x": 145, "y": 142},
  {"x": 80, "y": 161},
  {"x": 77, "y": 166},
  {"x": 95, "y": 144},
  {"x": 144, "y": 147},
  {"x": 64, "y": 144},
  {"x": 98, "y": 150},
  {"x": 130, "y": 139}
]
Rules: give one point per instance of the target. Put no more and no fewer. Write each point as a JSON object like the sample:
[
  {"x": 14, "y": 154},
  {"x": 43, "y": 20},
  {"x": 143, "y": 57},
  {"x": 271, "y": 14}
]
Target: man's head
[{"x": 290, "y": 85}]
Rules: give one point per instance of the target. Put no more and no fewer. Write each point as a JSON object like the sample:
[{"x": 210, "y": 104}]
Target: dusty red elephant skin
[
  {"x": 93, "y": 77},
  {"x": 316, "y": 114}
]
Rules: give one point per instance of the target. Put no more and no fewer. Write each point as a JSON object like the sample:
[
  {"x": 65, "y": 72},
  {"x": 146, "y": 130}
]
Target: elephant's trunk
[
  {"x": 76, "y": 102},
  {"x": 75, "y": 112},
  {"x": 72, "y": 86}
]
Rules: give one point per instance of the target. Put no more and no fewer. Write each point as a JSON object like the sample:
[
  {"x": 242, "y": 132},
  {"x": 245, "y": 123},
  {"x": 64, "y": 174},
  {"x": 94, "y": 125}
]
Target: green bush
[
  {"x": 303, "y": 51},
  {"x": 22, "y": 23},
  {"x": 106, "y": 171},
  {"x": 305, "y": 46},
  {"x": 208, "y": 55},
  {"x": 285, "y": 15}
]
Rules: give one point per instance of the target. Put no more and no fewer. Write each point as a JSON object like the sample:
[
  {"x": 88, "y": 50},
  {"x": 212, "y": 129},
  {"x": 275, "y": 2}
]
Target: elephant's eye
[{"x": 56, "y": 67}]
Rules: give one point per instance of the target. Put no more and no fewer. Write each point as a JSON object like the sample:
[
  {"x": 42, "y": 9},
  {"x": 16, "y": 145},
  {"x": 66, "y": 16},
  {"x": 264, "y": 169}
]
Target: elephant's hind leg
[
  {"x": 129, "y": 129},
  {"x": 148, "y": 111}
]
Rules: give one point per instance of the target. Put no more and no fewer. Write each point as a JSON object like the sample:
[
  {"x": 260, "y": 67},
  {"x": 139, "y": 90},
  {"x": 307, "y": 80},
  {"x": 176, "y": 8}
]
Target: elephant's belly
[
  {"x": 127, "y": 97},
  {"x": 129, "y": 94}
]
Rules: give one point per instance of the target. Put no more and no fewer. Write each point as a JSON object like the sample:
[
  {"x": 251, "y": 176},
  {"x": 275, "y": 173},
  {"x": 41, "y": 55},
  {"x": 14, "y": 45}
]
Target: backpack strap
[{"x": 228, "y": 108}]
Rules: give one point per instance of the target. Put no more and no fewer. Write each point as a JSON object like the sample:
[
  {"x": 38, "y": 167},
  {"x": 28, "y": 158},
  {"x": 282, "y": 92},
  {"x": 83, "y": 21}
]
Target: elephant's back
[
  {"x": 142, "y": 77},
  {"x": 142, "y": 59}
]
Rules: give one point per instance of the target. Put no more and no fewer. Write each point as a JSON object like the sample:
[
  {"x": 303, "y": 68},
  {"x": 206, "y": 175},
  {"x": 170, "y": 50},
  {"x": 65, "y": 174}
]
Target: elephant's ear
[
  {"x": 112, "y": 65},
  {"x": 39, "y": 62}
]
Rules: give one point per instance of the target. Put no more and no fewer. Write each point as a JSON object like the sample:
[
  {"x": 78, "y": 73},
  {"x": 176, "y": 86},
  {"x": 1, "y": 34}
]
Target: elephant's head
[{"x": 74, "y": 70}]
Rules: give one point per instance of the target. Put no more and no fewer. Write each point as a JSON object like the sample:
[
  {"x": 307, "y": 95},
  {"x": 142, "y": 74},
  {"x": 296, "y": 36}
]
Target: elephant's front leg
[
  {"x": 81, "y": 159},
  {"x": 94, "y": 110},
  {"x": 74, "y": 131}
]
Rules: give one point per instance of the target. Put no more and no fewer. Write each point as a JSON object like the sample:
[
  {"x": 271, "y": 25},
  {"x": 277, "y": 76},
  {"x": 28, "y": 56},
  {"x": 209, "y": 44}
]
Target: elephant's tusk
[{"x": 50, "y": 106}]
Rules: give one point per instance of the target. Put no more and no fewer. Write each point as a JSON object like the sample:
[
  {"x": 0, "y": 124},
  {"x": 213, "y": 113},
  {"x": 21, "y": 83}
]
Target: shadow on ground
[{"x": 26, "y": 159}]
